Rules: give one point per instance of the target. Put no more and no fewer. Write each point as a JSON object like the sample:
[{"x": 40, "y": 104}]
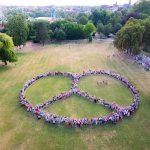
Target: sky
[{"x": 62, "y": 2}]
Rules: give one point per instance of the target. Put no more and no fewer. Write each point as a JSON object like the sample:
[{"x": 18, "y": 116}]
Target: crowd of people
[
  {"x": 118, "y": 111},
  {"x": 144, "y": 61}
]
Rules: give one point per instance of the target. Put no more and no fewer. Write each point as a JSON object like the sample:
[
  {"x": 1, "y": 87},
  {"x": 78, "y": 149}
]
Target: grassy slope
[{"x": 19, "y": 130}]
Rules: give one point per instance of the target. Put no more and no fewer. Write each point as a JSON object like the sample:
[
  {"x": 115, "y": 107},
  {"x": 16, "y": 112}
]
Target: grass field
[{"x": 19, "y": 130}]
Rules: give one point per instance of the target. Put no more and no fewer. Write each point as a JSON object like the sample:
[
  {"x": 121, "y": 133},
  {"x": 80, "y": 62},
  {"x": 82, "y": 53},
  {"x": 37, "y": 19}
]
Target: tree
[
  {"x": 146, "y": 36},
  {"x": 131, "y": 15},
  {"x": 100, "y": 28},
  {"x": 129, "y": 38},
  {"x": 115, "y": 18},
  {"x": 143, "y": 6},
  {"x": 57, "y": 24},
  {"x": 31, "y": 33},
  {"x": 42, "y": 31},
  {"x": 6, "y": 49},
  {"x": 116, "y": 27},
  {"x": 73, "y": 31},
  {"x": 88, "y": 29},
  {"x": 107, "y": 29},
  {"x": 101, "y": 16},
  {"x": 80, "y": 15},
  {"x": 59, "y": 35},
  {"x": 18, "y": 28},
  {"x": 83, "y": 20}
]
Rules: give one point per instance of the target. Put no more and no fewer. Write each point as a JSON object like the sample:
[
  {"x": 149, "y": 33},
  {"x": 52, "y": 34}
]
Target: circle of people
[{"x": 118, "y": 112}]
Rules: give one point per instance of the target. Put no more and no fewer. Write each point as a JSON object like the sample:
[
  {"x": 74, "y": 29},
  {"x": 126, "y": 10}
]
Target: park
[
  {"x": 21, "y": 130},
  {"x": 75, "y": 75}
]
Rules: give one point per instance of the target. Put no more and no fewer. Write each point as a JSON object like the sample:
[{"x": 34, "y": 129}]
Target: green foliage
[
  {"x": 1, "y": 45},
  {"x": 31, "y": 26},
  {"x": 80, "y": 15},
  {"x": 100, "y": 28},
  {"x": 88, "y": 29},
  {"x": 144, "y": 16},
  {"x": 10, "y": 12},
  {"x": 51, "y": 34},
  {"x": 59, "y": 35},
  {"x": 115, "y": 18},
  {"x": 83, "y": 20},
  {"x": 90, "y": 38},
  {"x": 18, "y": 28},
  {"x": 146, "y": 37},
  {"x": 57, "y": 24},
  {"x": 73, "y": 31},
  {"x": 42, "y": 31},
  {"x": 101, "y": 16},
  {"x": 107, "y": 29},
  {"x": 142, "y": 6},
  {"x": 116, "y": 27},
  {"x": 6, "y": 49},
  {"x": 129, "y": 38}
]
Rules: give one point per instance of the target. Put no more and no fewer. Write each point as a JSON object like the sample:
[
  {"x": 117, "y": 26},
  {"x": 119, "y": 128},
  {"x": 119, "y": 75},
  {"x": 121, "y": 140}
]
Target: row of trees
[
  {"x": 105, "y": 21},
  {"x": 41, "y": 31}
]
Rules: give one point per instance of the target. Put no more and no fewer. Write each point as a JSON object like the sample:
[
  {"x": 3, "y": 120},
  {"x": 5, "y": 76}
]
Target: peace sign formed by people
[{"x": 119, "y": 112}]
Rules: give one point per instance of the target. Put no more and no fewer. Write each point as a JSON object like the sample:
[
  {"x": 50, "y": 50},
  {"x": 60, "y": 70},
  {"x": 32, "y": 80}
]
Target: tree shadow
[{"x": 4, "y": 68}]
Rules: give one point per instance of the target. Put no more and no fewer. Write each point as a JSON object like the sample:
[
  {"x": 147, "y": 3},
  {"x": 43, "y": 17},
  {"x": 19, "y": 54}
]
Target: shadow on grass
[
  {"x": 4, "y": 68},
  {"x": 21, "y": 54}
]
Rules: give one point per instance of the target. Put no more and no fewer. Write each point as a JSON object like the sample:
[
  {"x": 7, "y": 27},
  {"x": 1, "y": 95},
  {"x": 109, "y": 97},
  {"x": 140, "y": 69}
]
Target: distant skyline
[{"x": 63, "y": 2}]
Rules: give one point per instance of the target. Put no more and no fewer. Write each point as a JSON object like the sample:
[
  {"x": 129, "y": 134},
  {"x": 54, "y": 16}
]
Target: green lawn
[{"x": 19, "y": 130}]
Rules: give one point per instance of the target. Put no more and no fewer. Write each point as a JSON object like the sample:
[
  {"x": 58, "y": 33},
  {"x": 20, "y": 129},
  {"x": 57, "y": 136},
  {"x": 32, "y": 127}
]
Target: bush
[
  {"x": 59, "y": 35},
  {"x": 73, "y": 31}
]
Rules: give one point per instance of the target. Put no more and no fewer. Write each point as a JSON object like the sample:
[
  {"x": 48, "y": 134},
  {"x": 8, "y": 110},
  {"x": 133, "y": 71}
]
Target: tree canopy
[
  {"x": 100, "y": 16},
  {"x": 146, "y": 36},
  {"x": 83, "y": 20},
  {"x": 6, "y": 49},
  {"x": 41, "y": 31},
  {"x": 129, "y": 37},
  {"x": 143, "y": 6},
  {"x": 107, "y": 29},
  {"x": 18, "y": 28},
  {"x": 89, "y": 28},
  {"x": 59, "y": 35}
]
